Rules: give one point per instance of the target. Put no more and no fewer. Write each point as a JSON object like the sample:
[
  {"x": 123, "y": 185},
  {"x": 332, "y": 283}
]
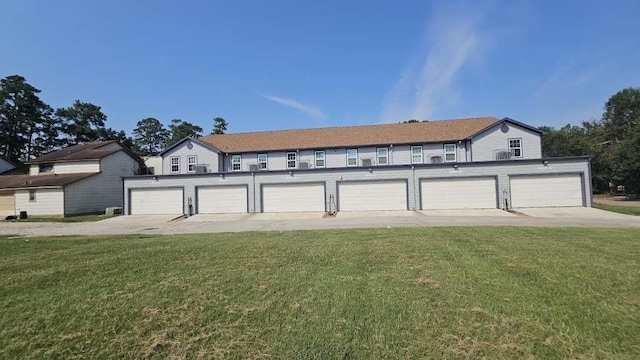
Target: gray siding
[
  {"x": 104, "y": 190},
  {"x": 502, "y": 170},
  {"x": 485, "y": 145},
  {"x": 5, "y": 166},
  {"x": 205, "y": 156}
]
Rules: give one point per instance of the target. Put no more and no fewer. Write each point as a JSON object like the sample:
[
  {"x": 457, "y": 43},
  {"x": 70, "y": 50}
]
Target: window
[
  {"x": 449, "y": 152},
  {"x": 320, "y": 159},
  {"x": 236, "y": 162},
  {"x": 45, "y": 168},
  {"x": 32, "y": 195},
  {"x": 262, "y": 161},
  {"x": 416, "y": 154},
  {"x": 192, "y": 160},
  {"x": 383, "y": 156},
  {"x": 175, "y": 164},
  {"x": 291, "y": 160},
  {"x": 515, "y": 146},
  {"x": 352, "y": 157}
]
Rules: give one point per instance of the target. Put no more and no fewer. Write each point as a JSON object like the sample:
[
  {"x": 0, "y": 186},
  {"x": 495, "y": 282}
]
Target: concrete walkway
[{"x": 162, "y": 224}]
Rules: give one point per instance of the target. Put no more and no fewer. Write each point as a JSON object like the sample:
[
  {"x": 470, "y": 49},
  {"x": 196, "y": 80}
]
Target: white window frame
[
  {"x": 174, "y": 161},
  {"x": 323, "y": 158},
  {"x": 454, "y": 152},
  {"x": 512, "y": 149},
  {"x": 354, "y": 157},
  {"x": 414, "y": 154},
  {"x": 265, "y": 162},
  {"x": 191, "y": 166},
  {"x": 386, "y": 156},
  {"x": 32, "y": 195},
  {"x": 295, "y": 160},
  {"x": 236, "y": 160}
]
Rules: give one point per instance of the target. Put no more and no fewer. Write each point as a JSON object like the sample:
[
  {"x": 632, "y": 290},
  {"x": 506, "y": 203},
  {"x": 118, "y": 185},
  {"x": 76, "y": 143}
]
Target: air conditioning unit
[
  {"x": 201, "y": 169},
  {"x": 303, "y": 165},
  {"x": 367, "y": 162},
  {"x": 436, "y": 159},
  {"x": 503, "y": 154},
  {"x": 253, "y": 167}
]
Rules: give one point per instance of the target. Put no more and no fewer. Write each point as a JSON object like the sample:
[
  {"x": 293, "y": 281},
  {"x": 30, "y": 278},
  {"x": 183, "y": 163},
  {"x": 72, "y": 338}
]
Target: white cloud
[
  {"x": 310, "y": 110},
  {"x": 428, "y": 82}
]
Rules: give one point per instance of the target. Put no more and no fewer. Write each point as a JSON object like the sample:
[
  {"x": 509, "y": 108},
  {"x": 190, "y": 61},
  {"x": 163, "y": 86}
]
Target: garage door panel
[
  {"x": 222, "y": 199},
  {"x": 546, "y": 191},
  {"x": 294, "y": 197},
  {"x": 372, "y": 195},
  {"x": 160, "y": 201},
  {"x": 7, "y": 202},
  {"x": 458, "y": 193}
]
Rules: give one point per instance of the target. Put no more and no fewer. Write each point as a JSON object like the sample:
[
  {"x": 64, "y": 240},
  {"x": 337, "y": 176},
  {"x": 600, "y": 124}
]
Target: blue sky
[{"x": 266, "y": 65}]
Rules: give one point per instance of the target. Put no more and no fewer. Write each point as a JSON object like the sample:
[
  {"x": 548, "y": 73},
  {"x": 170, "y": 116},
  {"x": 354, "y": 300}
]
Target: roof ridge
[{"x": 353, "y": 126}]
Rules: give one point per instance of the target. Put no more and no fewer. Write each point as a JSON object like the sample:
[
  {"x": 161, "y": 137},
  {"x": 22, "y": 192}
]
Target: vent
[
  {"x": 303, "y": 165},
  {"x": 253, "y": 167},
  {"x": 367, "y": 162},
  {"x": 502, "y": 154},
  {"x": 201, "y": 169},
  {"x": 436, "y": 159}
]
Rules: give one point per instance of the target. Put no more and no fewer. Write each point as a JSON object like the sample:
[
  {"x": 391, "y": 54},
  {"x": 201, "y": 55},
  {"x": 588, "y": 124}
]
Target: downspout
[
  {"x": 254, "y": 192},
  {"x": 415, "y": 188}
]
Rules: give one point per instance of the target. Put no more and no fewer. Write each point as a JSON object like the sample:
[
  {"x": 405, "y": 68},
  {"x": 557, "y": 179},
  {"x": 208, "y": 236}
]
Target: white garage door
[
  {"x": 222, "y": 199},
  {"x": 546, "y": 191},
  {"x": 469, "y": 193},
  {"x": 156, "y": 201},
  {"x": 295, "y": 197},
  {"x": 372, "y": 195}
]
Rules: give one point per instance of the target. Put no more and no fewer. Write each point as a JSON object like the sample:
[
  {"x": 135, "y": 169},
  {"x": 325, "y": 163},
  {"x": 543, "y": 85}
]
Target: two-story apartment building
[
  {"x": 452, "y": 164},
  {"x": 79, "y": 179}
]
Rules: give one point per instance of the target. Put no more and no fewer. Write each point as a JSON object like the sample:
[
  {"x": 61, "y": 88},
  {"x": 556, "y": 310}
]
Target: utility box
[{"x": 110, "y": 211}]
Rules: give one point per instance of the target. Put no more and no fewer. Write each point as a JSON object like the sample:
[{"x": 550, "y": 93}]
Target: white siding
[
  {"x": 33, "y": 170},
  {"x": 47, "y": 202},
  {"x": 485, "y": 145},
  {"x": 154, "y": 162},
  {"x": 156, "y": 201},
  {"x": 76, "y": 167},
  {"x": 205, "y": 155},
  {"x": 94, "y": 194}
]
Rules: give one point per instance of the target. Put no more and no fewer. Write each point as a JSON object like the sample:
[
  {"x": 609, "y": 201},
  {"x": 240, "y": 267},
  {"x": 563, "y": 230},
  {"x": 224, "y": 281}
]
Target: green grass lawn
[
  {"x": 629, "y": 210},
  {"x": 69, "y": 219},
  {"x": 344, "y": 294}
]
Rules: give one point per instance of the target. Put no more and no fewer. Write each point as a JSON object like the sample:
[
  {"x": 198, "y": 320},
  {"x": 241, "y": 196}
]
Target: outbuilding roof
[
  {"x": 39, "y": 181},
  {"x": 87, "y": 151},
  {"x": 347, "y": 136}
]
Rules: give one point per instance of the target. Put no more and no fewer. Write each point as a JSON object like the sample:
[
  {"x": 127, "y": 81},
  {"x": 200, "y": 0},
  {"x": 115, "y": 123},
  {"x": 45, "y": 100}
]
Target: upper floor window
[
  {"x": 383, "y": 156},
  {"x": 319, "y": 156},
  {"x": 175, "y": 164},
  {"x": 291, "y": 160},
  {"x": 45, "y": 168},
  {"x": 352, "y": 157},
  {"x": 236, "y": 162},
  {"x": 416, "y": 154},
  {"x": 32, "y": 195},
  {"x": 449, "y": 152},
  {"x": 262, "y": 161},
  {"x": 192, "y": 160},
  {"x": 515, "y": 146}
]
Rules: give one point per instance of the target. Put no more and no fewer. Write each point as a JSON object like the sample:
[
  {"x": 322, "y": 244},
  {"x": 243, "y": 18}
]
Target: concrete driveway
[{"x": 162, "y": 224}]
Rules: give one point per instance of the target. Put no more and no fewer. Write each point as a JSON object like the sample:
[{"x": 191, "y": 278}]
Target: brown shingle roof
[
  {"x": 334, "y": 137},
  {"x": 36, "y": 181},
  {"x": 88, "y": 151}
]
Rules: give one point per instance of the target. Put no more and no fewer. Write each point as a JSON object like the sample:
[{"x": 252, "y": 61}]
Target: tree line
[
  {"x": 30, "y": 128},
  {"x": 613, "y": 141}
]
